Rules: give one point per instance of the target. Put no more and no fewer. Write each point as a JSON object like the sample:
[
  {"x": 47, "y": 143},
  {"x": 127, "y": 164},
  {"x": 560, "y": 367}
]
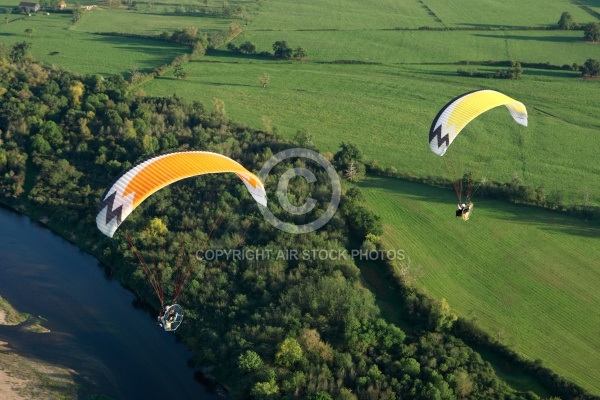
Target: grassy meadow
[
  {"x": 414, "y": 46},
  {"x": 543, "y": 300},
  {"x": 348, "y": 15},
  {"x": 82, "y": 51},
  {"x": 508, "y": 13},
  {"x": 145, "y": 23},
  {"x": 386, "y": 107},
  {"x": 86, "y": 53},
  {"x": 378, "y": 108}
]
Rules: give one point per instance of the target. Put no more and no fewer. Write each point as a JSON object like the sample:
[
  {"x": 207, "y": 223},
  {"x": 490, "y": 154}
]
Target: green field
[
  {"x": 379, "y": 109},
  {"x": 528, "y": 276},
  {"x": 508, "y": 13},
  {"x": 401, "y": 47},
  {"x": 290, "y": 15},
  {"x": 87, "y": 53},
  {"x": 386, "y": 108},
  {"x": 145, "y": 23}
]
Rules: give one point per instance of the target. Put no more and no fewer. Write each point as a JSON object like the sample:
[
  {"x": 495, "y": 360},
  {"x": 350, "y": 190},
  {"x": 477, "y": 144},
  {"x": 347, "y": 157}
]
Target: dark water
[{"x": 96, "y": 328}]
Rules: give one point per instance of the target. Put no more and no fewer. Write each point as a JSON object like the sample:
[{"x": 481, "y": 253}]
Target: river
[{"x": 97, "y": 327}]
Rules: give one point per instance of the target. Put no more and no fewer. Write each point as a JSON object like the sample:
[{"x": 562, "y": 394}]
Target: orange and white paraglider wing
[
  {"x": 139, "y": 182},
  {"x": 455, "y": 115}
]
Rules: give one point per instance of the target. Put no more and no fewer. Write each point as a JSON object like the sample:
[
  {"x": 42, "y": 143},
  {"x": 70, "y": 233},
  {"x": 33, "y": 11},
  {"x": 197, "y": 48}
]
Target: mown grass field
[
  {"x": 414, "y": 46},
  {"x": 387, "y": 110},
  {"x": 146, "y": 23},
  {"x": 86, "y": 53},
  {"x": 508, "y": 13},
  {"x": 290, "y": 15},
  {"x": 528, "y": 276}
]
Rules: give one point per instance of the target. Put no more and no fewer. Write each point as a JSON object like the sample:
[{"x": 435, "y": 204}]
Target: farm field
[
  {"x": 510, "y": 13},
  {"x": 290, "y": 15},
  {"x": 87, "y": 53},
  {"x": 378, "y": 108},
  {"x": 414, "y": 46},
  {"x": 145, "y": 23},
  {"x": 528, "y": 276},
  {"x": 413, "y": 74}
]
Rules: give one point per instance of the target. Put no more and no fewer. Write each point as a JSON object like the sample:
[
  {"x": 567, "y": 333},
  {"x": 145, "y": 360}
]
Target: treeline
[
  {"x": 512, "y": 63},
  {"x": 514, "y": 72},
  {"x": 281, "y": 50},
  {"x": 191, "y": 37},
  {"x": 591, "y": 67},
  {"x": 269, "y": 328},
  {"x": 199, "y": 41}
]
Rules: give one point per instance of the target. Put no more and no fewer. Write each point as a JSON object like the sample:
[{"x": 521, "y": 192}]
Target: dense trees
[
  {"x": 299, "y": 53},
  {"x": 18, "y": 52},
  {"x": 567, "y": 22},
  {"x": 592, "y": 32},
  {"x": 247, "y": 48},
  {"x": 281, "y": 50},
  {"x": 179, "y": 72},
  {"x": 591, "y": 67},
  {"x": 514, "y": 72}
]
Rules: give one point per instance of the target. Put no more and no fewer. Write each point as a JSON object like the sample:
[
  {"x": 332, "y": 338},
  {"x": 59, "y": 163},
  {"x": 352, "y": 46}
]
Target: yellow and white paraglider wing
[
  {"x": 139, "y": 182},
  {"x": 455, "y": 115}
]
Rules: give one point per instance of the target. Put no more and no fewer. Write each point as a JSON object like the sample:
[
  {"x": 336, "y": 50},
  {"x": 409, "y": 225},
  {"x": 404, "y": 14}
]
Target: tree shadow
[
  {"x": 439, "y": 73},
  {"x": 420, "y": 191},
  {"x": 551, "y": 73},
  {"x": 554, "y": 38},
  {"x": 228, "y": 84},
  {"x": 499, "y": 26},
  {"x": 201, "y": 82},
  {"x": 160, "y": 53},
  {"x": 542, "y": 218},
  {"x": 186, "y": 14},
  {"x": 231, "y": 55},
  {"x": 553, "y": 220},
  {"x": 138, "y": 44}
]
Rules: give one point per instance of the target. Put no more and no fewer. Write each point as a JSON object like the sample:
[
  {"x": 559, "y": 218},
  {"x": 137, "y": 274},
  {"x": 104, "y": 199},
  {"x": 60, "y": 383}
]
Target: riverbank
[{"x": 22, "y": 377}]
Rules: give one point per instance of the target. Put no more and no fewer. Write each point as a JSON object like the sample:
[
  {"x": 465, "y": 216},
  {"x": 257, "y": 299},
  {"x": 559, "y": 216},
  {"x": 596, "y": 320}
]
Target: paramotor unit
[
  {"x": 464, "y": 210},
  {"x": 135, "y": 185},
  {"x": 451, "y": 120},
  {"x": 171, "y": 317}
]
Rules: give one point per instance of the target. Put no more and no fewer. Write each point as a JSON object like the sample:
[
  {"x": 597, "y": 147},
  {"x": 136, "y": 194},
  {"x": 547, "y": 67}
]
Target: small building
[
  {"x": 29, "y": 7},
  {"x": 62, "y": 5}
]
